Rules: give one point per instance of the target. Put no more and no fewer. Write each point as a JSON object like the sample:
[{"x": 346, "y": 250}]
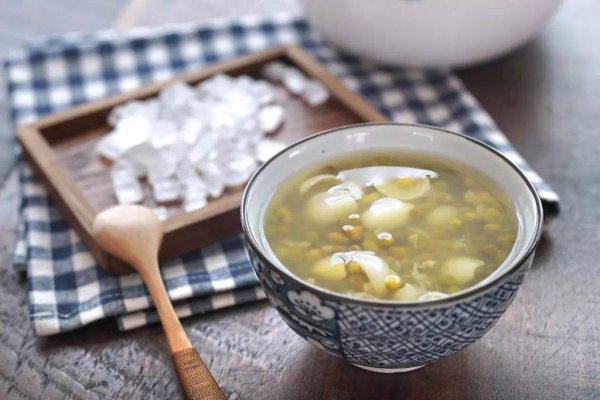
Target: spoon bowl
[{"x": 134, "y": 234}]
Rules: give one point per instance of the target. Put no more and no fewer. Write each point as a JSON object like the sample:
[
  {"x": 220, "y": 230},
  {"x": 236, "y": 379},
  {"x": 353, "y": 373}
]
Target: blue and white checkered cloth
[{"x": 66, "y": 288}]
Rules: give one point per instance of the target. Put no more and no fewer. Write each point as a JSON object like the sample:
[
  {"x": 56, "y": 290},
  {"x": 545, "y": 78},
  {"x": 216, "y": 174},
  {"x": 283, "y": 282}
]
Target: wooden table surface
[{"x": 544, "y": 97}]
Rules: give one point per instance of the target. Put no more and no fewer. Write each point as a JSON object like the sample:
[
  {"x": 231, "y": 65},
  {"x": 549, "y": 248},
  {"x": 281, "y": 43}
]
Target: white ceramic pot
[{"x": 429, "y": 33}]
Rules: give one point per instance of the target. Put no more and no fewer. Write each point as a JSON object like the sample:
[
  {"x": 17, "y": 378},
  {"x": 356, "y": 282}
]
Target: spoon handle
[{"x": 194, "y": 377}]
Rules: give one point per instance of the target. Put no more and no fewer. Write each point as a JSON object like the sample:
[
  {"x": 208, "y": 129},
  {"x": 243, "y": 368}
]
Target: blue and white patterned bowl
[{"x": 390, "y": 336}]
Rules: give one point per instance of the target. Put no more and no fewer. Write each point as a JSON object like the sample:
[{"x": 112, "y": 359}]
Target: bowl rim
[{"x": 467, "y": 294}]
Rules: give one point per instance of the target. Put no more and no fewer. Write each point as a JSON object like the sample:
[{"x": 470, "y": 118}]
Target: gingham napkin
[{"x": 66, "y": 289}]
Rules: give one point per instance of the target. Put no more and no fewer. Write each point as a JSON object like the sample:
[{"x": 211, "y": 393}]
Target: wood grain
[
  {"x": 61, "y": 147},
  {"x": 544, "y": 97}
]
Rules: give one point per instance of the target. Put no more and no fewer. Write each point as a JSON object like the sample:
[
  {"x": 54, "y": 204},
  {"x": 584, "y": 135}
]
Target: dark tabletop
[{"x": 545, "y": 97}]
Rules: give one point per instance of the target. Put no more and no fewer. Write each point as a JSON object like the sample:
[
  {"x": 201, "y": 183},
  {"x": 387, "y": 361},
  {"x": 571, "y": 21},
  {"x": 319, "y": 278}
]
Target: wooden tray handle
[{"x": 195, "y": 378}]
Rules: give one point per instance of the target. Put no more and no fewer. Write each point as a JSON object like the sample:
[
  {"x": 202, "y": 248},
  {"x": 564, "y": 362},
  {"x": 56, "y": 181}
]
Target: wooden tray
[{"x": 61, "y": 149}]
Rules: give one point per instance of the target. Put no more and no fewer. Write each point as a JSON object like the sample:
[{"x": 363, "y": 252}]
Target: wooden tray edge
[{"x": 79, "y": 212}]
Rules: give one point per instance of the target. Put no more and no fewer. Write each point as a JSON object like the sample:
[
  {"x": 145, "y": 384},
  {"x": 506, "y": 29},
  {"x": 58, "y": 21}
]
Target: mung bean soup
[{"x": 391, "y": 226}]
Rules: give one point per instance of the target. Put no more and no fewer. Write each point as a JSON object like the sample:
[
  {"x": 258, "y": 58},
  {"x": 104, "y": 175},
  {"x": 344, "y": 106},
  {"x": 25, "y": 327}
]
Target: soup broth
[{"x": 391, "y": 226}]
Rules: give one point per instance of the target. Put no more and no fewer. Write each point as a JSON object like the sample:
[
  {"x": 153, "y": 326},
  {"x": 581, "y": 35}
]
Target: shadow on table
[
  {"x": 319, "y": 375},
  {"x": 528, "y": 65},
  {"x": 544, "y": 252},
  {"x": 526, "y": 76}
]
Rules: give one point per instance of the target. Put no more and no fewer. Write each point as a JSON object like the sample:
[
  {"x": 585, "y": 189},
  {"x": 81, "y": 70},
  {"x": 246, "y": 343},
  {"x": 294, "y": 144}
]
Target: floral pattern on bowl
[{"x": 379, "y": 336}]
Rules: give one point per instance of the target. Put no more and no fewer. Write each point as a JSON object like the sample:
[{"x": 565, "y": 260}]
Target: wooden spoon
[{"x": 133, "y": 233}]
